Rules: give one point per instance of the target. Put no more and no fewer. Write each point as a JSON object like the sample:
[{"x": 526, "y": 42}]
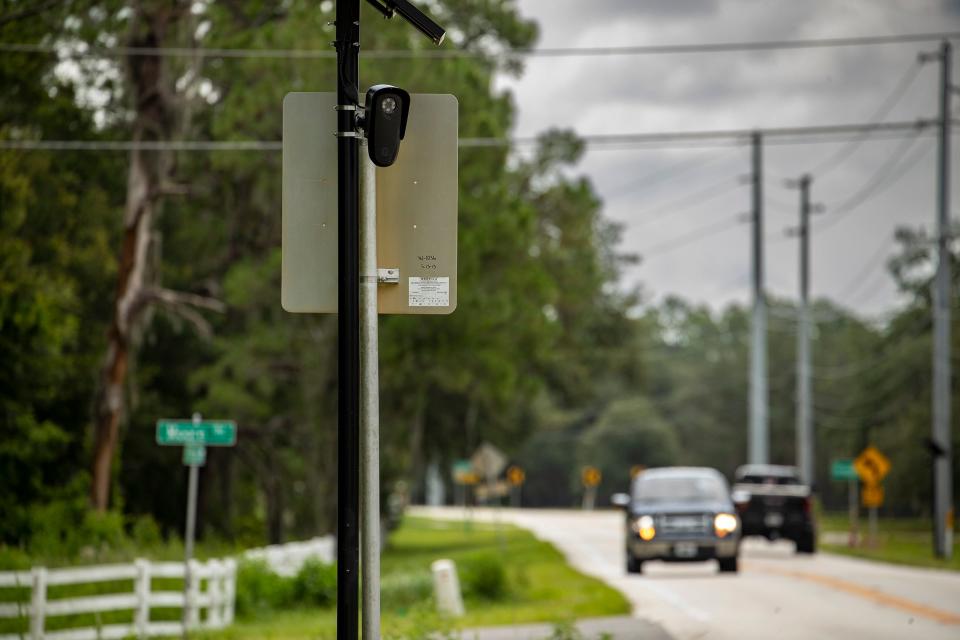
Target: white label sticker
[{"x": 428, "y": 292}]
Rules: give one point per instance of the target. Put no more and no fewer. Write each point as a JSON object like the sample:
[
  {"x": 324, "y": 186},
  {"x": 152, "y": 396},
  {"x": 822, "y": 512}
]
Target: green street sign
[
  {"x": 842, "y": 469},
  {"x": 194, "y": 455},
  {"x": 218, "y": 433}
]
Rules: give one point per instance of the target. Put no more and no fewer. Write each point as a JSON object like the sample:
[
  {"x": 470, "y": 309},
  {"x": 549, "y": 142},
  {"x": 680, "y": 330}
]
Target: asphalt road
[{"x": 777, "y": 594}]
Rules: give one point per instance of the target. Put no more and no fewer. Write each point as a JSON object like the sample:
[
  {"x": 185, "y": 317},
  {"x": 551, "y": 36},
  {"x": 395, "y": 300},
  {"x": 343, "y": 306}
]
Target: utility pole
[
  {"x": 370, "y": 410},
  {"x": 348, "y": 318},
  {"x": 942, "y": 439},
  {"x": 804, "y": 395},
  {"x": 758, "y": 448}
]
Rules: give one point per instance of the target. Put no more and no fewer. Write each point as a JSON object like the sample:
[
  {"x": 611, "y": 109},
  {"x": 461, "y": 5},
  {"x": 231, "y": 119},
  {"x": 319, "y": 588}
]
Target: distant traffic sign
[
  {"x": 591, "y": 476},
  {"x": 516, "y": 476},
  {"x": 843, "y": 469},
  {"x": 871, "y": 465},
  {"x": 218, "y": 433},
  {"x": 872, "y": 496},
  {"x": 462, "y": 471},
  {"x": 488, "y": 461}
]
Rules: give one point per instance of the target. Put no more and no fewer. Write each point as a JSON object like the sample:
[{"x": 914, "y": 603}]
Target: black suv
[
  {"x": 773, "y": 503},
  {"x": 680, "y": 514}
]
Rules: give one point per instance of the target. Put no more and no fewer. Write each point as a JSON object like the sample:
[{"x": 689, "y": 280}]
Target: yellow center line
[{"x": 867, "y": 593}]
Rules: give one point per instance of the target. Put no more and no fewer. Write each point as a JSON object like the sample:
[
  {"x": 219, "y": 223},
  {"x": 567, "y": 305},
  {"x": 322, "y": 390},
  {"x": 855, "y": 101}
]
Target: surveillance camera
[{"x": 385, "y": 121}]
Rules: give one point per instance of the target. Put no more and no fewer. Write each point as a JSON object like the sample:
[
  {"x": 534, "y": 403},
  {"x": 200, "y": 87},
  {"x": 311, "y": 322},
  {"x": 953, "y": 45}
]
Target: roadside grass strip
[
  {"x": 904, "y": 541},
  {"x": 507, "y": 576}
]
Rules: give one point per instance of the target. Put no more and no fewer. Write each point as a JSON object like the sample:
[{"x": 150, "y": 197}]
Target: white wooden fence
[
  {"x": 219, "y": 577},
  {"x": 287, "y": 559}
]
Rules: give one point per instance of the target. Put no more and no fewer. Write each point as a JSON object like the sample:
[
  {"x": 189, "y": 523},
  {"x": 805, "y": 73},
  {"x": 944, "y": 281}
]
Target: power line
[
  {"x": 899, "y": 90},
  {"x": 701, "y": 233},
  {"x": 713, "y": 191},
  {"x": 891, "y": 171},
  {"x": 856, "y": 283},
  {"x": 669, "y": 172},
  {"x": 84, "y": 50},
  {"x": 739, "y": 136},
  {"x": 773, "y": 135}
]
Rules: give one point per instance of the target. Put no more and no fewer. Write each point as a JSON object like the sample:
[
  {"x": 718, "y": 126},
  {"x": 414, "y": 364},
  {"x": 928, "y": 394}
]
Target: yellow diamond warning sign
[
  {"x": 871, "y": 465},
  {"x": 591, "y": 476}
]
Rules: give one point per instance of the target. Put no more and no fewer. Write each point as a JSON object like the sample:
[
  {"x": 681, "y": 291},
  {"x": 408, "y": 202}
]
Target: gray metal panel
[
  {"x": 416, "y": 205},
  {"x": 309, "y": 264}
]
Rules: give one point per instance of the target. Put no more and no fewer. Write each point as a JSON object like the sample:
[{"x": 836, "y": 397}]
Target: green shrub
[
  {"x": 402, "y": 591},
  {"x": 260, "y": 590},
  {"x": 145, "y": 533},
  {"x": 485, "y": 577},
  {"x": 315, "y": 585}
]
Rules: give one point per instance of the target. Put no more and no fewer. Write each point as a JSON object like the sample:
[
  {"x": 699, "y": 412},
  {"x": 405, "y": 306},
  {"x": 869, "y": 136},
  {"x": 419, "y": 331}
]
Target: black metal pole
[{"x": 348, "y": 320}]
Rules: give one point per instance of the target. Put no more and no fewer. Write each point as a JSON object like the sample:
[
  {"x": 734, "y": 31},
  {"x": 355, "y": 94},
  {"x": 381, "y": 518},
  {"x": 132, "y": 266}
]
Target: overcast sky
[{"x": 742, "y": 90}]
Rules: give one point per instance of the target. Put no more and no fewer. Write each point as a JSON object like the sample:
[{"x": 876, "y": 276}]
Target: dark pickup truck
[{"x": 773, "y": 503}]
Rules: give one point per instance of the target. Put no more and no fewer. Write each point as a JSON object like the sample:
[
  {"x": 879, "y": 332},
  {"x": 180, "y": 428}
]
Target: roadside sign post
[
  {"x": 194, "y": 436},
  {"x": 462, "y": 475},
  {"x": 854, "y": 489},
  {"x": 591, "y": 477},
  {"x": 843, "y": 469},
  {"x": 872, "y": 466},
  {"x": 332, "y": 248},
  {"x": 516, "y": 477}
]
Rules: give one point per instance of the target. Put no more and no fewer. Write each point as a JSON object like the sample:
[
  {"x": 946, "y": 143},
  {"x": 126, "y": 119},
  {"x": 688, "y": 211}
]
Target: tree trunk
[{"x": 148, "y": 171}]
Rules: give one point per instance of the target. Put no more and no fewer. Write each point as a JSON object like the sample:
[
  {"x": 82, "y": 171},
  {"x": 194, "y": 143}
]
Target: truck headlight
[
  {"x": 724, "y": 524},
  {"x": 644, "y": 527}
]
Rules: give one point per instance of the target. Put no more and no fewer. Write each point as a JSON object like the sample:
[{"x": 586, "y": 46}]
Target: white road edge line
[{"x": 671, "y": 597}]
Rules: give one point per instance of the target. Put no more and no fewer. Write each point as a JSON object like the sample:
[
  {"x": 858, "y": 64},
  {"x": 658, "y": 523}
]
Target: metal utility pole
[
  {"x": 348, "y": 319},
  {"x": 804, "y": 395},
  {"x": 193, "y": 483},
  {"x": 758, "y": 448},
  {"x": 370, "y": 397},
  {"x": 943, "y": 490}
]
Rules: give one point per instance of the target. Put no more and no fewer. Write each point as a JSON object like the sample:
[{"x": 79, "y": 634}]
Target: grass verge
[
  {"x": 538, "y": 586},
  {"x": 907, "y": 541}
]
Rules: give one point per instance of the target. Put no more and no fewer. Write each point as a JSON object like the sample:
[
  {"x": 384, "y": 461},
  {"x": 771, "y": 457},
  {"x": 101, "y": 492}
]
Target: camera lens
[{"x": 388, "y": 105}]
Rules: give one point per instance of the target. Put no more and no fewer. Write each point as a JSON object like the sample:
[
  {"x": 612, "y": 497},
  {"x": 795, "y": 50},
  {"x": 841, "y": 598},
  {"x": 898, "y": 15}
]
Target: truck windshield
[{"x": 678, "y": 489}]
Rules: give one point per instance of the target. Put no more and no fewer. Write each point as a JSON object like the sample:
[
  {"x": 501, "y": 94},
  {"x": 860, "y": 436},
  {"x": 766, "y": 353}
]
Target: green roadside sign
[
  {"x": 217, "y": 433},
  {"x": 194, "y": 454},
  {"x": 842, "y": 469}
]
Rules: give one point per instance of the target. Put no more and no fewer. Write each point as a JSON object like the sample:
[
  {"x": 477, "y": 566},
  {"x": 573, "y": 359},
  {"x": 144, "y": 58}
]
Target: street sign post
[
  {"x": 194, "y": 435},
  {"x": 843, "y": 469},
  {"x": 343, "y": 276},
  {"x": 516, "y": 477},
  {"x": 591, "y": 477},
  {"x": 463, "y": 476},
  {"x": 872, "y": 467}
]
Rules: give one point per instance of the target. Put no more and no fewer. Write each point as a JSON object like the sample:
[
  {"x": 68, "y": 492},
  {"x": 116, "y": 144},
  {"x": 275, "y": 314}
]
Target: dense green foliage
[
  {"x": 546, "y": 357},
  {"x": 261, "y": 591}
]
